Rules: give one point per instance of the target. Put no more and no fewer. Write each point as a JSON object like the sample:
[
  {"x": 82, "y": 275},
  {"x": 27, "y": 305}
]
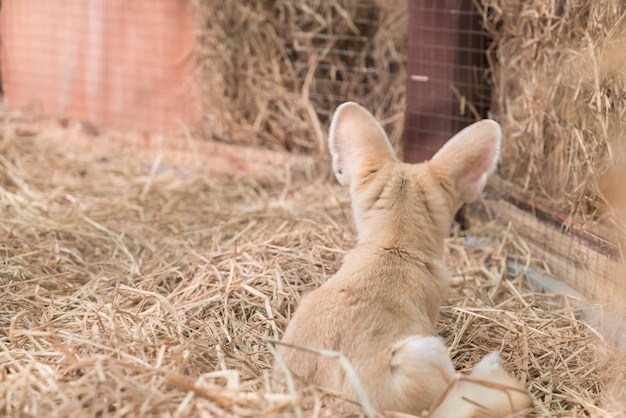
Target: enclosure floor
[{"x": 132, "y": 288}]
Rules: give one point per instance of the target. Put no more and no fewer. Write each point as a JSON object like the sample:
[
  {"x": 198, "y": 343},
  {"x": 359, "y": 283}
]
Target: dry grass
[
  {"x": 272, "y": 72},
  {"x": 560, "y": 94},
  {"x": 134, "y": 291}
]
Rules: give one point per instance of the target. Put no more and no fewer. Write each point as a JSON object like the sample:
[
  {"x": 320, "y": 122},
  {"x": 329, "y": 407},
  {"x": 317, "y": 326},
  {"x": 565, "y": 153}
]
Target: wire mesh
[{"x": 341, "y": 69}]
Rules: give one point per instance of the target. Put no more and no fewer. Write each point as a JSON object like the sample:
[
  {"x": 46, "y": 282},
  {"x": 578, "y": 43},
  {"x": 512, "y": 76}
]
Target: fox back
[{"x": 380, "y": 309}]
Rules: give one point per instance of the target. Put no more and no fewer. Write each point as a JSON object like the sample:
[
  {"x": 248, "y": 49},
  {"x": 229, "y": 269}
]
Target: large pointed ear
[
  {"x": 468, "y": 158},
  {"x": 357, "y": 143}
]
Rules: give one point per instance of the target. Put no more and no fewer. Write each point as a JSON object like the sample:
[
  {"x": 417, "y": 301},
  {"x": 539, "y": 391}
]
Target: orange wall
[{"x": 119, "y": 63}]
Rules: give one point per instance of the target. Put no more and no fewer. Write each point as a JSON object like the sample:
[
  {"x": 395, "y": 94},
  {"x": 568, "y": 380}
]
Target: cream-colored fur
[
  {"x": 490, "y": 392},
  {"x": 380, "y": 309}
]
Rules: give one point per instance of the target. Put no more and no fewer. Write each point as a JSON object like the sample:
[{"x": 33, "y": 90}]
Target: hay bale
[
  {"x": 560, "y": 94},
  {"x": 271, "y": 73}
]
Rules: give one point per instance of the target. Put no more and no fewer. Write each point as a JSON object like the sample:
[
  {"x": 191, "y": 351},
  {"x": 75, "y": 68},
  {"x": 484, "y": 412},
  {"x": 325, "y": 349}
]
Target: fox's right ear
[
  {"x": 468, "y": 158},
  {"x": 357, "y": 143}
]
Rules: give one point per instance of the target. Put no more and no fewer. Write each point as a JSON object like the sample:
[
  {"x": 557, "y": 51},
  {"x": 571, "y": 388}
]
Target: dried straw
[
  {"x": 272, "y": 72},
  {"x": 560, "y": 94},
  {"x": 133, "y": 289}
]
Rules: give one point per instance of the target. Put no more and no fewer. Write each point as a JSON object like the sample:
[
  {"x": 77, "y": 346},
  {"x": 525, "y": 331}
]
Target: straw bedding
[
  {"x": 271, "y": 72},
  {"x": 131, "y": 289},
  {"x": 560, "y": 94}
]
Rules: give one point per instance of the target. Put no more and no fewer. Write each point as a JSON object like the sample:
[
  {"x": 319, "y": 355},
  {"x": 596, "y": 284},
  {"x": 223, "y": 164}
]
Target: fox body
[{"x": 380, "y": 309}]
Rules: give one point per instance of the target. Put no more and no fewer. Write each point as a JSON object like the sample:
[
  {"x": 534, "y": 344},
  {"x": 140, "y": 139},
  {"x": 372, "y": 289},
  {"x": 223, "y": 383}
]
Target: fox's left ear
[
  {"x": 357, "y": 143},
  {"x": 468, "y": 158}
]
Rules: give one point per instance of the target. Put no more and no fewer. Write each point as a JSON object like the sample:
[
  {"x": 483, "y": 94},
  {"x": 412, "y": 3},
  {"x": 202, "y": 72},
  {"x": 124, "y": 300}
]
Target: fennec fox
[{"x": 380, "y": 309}]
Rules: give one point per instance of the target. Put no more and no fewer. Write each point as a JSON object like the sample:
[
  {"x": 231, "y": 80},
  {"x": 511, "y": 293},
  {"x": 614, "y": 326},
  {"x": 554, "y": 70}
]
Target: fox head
[{"x": 394, "y": 201}]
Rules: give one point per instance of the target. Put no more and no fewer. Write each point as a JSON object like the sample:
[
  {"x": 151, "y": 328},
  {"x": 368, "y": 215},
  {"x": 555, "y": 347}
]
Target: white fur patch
[
  {"x": 430, "y": 349},
  {"x": 489, "y": 364}
]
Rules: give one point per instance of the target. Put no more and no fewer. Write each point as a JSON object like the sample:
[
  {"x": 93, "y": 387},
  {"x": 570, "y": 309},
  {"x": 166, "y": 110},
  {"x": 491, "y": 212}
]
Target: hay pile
[
  {"x": 272, "y": 72},
  {"x": 560, "y": 94},
  {"x": 137, "y": 290}
]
